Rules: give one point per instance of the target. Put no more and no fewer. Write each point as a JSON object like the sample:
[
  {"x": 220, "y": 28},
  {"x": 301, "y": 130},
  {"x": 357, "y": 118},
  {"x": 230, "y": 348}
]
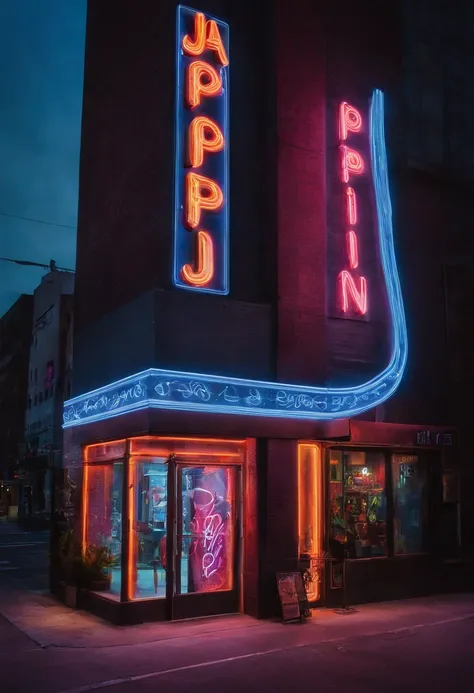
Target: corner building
[{"x": 242, "y": 328}]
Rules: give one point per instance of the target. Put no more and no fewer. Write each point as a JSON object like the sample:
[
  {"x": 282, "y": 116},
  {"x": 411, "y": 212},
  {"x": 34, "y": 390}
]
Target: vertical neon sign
[
  {"x": 201, "y": 220},
  {"x": 353, "y": 289}
]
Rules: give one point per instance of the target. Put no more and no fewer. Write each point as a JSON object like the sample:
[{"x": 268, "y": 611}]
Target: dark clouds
[{"x": 41, "y": 59}]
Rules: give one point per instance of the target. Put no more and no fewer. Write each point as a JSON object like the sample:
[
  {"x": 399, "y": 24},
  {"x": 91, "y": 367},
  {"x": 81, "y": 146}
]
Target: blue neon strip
[
  {"x": 156, "y": 388},
  {"x": 216, "y": 166}
]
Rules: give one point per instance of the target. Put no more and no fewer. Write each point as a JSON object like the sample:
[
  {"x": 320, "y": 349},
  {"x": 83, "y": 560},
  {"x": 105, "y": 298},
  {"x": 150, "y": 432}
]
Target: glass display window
[
  {"x": 410, "y": 495},
  {"x": 102, "y": 515},
  {"x": 357, "y": 504}
]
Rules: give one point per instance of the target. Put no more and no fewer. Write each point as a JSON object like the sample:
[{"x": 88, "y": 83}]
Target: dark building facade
[
  {"x": 260, "y": 313},
  {"x": 15, "y": 339},
  {"x": 49, "y": 385}
]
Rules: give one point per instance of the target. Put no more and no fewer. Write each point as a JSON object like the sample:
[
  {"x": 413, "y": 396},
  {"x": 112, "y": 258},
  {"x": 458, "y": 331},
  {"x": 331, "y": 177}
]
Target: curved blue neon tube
[{"x": 164, "y": 389}]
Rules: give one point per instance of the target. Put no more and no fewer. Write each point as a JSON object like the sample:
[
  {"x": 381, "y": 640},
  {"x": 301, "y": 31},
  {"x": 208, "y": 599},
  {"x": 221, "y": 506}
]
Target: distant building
[
  {"x": 15, "y": 335},
  {"x": 48, "y": 386}
]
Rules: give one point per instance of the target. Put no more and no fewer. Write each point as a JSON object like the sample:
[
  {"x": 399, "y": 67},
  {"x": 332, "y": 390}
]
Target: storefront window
[
  {"x": 410, "y": 501},
  {"x": 148, "y": 510},
  {"x": 103, "y": 514},
  {"x": 358, "y": 512},
  {"x": 206, "y": 529}
]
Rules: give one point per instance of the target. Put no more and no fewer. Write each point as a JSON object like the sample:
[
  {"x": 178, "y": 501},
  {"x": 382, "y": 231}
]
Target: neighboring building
[
  {"x": 15, "y": 338},
  {"x": 49, "y": 384},
  {"x": 245, "y": 400}
]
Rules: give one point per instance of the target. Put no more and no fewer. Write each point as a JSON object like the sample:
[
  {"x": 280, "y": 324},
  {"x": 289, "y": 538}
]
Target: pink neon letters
[{"x": 353, "y": 290}]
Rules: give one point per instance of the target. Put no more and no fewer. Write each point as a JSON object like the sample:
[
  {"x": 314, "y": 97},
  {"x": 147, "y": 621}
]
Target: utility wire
[{"x": 37, "y": 221}]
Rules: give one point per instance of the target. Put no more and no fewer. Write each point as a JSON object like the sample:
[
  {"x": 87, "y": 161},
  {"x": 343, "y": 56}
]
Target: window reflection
[
  {"x": 148, "y": 508},
  {"x": 104, "y": 515},
  {"x": 410, "y": 501}
]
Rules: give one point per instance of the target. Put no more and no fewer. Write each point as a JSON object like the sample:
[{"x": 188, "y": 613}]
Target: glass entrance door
[{"x": 206, "y": 540}]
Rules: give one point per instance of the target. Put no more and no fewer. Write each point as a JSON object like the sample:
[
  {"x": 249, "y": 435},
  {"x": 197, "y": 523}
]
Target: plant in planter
[{"x": 94, "y": 567}]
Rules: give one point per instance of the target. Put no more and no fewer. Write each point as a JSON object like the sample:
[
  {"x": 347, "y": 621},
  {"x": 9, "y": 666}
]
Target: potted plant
[{"x": 94, "y": 569}]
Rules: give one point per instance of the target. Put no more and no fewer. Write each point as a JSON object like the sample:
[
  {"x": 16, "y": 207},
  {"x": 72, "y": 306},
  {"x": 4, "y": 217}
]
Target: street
[
  {"x": 24, "y": 556},
  {"x": 416, "y": 646}
]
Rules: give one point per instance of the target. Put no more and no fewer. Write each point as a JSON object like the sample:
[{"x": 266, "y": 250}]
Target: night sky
[{"x": 42, "y": 59}]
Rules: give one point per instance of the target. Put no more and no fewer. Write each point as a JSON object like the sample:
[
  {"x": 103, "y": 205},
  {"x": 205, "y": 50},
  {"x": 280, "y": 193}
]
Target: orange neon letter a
[
  {"x": 204, "y": 264},
  {"x": 206, "y": 35},
  {"x": 204, "y": 135},
  {"x": 202, "y": 80},
  {"x": 201, "y": 193}
]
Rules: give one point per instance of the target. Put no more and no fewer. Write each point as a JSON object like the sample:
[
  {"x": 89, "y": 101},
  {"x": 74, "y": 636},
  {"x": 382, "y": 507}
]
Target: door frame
[{"x": 204, "y": 603}]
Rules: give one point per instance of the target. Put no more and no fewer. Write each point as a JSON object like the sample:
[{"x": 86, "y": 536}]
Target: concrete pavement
[{"x": 46, "y": 647}]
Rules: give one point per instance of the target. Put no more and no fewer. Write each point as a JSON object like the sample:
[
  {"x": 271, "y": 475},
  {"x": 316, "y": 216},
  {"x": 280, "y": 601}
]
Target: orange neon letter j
[
  {"x": 201, "y": 193},
  {"x": 206, "y": 35},
  {"x": 204, "y": 135},
  {"x": 204, "y": 264}
]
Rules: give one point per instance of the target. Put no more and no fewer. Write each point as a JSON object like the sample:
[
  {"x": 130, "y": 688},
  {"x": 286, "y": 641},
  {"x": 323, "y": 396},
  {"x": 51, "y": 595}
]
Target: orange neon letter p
[
  {"x": 203, "y": 80},
  {"x": 204, "y": 135},
  {"x": 352, "y": 163},
  {"x": 201, "y": 193},
  {"x": 206, "y": 35},
  {"x": 204, "y": 264}
]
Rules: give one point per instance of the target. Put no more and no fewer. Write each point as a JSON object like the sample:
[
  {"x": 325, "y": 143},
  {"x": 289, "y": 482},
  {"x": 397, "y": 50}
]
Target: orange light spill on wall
[
  {"x": 132, "y": 558},
  {"x": 196, "y": 200},
  {"x": 206, "y": 36},
  {"x": 351, "y": 206},
  {"x": 350, "y": 291},
  {"x": 204, "y": 262},
  {"x": 85, "y": 504},
  {"x": 350, "y": 120},
  {"x": 204, "y": 135},
  {"x": 192, "y": 439},
  {"x": 351, "y": 163},
  {"x": 310, "y": 506},
  {"x": 352, "y": 249},
  {"x": 202, "y": 80}
]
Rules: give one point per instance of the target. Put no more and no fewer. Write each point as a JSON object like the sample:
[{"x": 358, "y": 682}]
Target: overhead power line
[
  {"x": 52, "y": 265},
  {"x": 37, "y": 221}
]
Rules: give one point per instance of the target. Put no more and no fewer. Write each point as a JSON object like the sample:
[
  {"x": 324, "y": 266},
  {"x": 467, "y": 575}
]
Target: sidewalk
[{"x": 51, "y": 624}]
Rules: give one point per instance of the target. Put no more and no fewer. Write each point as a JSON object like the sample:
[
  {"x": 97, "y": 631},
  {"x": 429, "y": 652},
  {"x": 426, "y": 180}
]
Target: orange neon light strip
[
  {"x": 351, "y": 206},
  {"x": 85, "y": 504},
  {"x": 350, "y": 120},
  {"x": 310, "y": 501},
  {"x": 204, "y": 263},
  {"x": 350, "y": 291},
  {"x": 200, "y": 141},
  {"x": 352, "y": 249},
  {"x": 132, "y": 565},
  {"x": 196, "y": 200},
  {"x": 202, "y": 80},
  {"x": 352, "y": 163},
  {"x": 207, "y": 36},
  {"x": 192, "y": 439}
]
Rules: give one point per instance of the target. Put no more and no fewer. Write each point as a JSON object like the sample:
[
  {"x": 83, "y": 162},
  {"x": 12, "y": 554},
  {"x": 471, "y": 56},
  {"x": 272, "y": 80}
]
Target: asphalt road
[
  {"x": 430, "y": 659},
  {"x": 24, "y": 557}
]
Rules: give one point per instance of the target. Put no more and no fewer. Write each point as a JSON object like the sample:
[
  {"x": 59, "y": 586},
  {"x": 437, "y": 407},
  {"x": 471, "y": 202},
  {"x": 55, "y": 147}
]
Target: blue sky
[{"x": 41, "y": 76}]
